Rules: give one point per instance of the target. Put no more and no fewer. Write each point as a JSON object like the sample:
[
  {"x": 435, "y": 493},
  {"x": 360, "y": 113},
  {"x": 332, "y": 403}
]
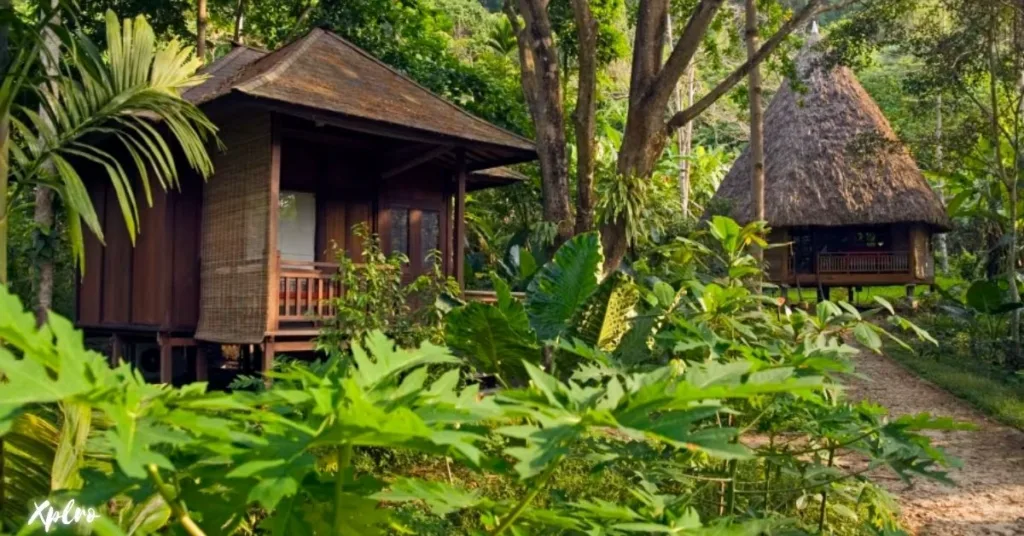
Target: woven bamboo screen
[{"x": 235, "y": 262}]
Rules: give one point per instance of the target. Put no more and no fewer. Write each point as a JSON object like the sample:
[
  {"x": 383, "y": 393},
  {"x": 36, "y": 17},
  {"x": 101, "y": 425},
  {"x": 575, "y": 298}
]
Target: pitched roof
[
  {"x": 323, "y": 71},
  {"x": 831, "y": 159},
  {"x": 496, "y": 176}
]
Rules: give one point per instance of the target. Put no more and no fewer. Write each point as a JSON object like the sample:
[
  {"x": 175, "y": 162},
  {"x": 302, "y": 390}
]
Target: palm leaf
[{"x": 128, "y": 96}]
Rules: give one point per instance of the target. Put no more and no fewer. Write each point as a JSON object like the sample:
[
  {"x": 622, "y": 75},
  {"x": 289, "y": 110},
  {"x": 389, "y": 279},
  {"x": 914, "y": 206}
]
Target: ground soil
[{"x": 989, "y": 496}]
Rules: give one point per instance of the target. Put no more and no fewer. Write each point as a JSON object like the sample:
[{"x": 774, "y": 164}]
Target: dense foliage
[{"x": 710, "y": 408}]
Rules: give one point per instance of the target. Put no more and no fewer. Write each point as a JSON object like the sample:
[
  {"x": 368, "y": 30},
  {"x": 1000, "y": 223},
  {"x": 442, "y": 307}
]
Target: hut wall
[
  {"x": 413, "y": 216},
  {"x": 235, "y": 266},
  {"x": 777, "y": 258},
  {"x": 153, "y": 285},
  {"x": 920, "y": 252}
]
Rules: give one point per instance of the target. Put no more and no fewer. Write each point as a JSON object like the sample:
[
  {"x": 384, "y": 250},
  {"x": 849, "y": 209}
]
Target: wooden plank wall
[{"x": 155, "y": 284}]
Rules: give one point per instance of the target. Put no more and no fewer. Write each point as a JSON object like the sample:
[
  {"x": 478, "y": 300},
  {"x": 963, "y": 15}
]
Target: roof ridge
[
  {"x": 275, "y": 72},
  {"x": 409, "y": 79}
]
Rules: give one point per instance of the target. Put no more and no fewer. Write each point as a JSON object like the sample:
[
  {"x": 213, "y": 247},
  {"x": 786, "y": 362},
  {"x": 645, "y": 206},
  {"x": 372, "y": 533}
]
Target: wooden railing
[
  {"x": 488, "y": 296},
  {"x": 306, "y": 289},
  {"x": 864, "y": 262}
]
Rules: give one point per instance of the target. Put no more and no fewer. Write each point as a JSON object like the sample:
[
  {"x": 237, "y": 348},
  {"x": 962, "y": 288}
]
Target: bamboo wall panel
[{"x": 236, "y": 206}]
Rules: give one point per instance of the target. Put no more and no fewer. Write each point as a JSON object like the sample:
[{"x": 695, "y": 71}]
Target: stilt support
[
  {"x": 166, "y": 364},
  {"x": 202, "y": 374},
  {"x": 116, "y": 350},
  {"x": 269, "y": 348}
]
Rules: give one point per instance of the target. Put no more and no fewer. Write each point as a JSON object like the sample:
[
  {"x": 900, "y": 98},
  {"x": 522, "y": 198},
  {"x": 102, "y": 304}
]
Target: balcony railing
[
  {"x": 306, "y": 289},
  {"x": 864, "y": 262}
]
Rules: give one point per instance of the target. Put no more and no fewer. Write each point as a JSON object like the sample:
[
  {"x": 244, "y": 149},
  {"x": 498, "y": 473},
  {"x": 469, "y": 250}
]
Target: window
[
  {"x": 430, "y": 233},
  {"x": 296, "y": 226},
  {"x": 399, "y": 231}
]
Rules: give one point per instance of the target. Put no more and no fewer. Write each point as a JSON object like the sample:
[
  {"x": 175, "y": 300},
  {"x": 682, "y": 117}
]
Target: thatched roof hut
[
  {"x": 840, "y": 188},
  {"x": 831, "y": 159}
]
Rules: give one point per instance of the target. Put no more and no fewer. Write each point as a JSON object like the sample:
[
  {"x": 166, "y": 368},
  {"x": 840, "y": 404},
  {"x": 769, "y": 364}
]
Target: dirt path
[{"x": 989, "y": 497}]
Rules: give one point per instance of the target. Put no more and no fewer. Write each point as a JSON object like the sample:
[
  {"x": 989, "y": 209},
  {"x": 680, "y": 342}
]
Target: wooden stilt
[
  {"x": 116, "y": 350},
  {"x": 268, "y": 355},
  {"x": 851, "y": 296},
  {"x": 166, "y": 363},
  {"x": 201, "y": 366}
]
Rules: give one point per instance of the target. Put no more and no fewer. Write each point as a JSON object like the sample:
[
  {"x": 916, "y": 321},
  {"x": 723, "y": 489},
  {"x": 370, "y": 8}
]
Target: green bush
[{"x": 692, "y": 407}]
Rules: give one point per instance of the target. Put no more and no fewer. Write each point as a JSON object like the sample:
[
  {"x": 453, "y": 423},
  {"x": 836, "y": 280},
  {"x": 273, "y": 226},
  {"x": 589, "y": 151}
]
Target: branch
[
  {"x": 684, "y": 50},
  {"x": 169, "y": 496},
  {"x": 682, "y": 118}
]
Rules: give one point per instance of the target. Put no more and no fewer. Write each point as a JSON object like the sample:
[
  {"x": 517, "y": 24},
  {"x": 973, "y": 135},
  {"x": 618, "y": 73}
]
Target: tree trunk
[
  {"x": 941, "y": 240},
  {"x": 651, "y": 88},
  {"x": 43, "y": 211},
  {"x": 585, "y": 115},
  {"x": 239, "y": 22},
  {"x": 541, "y": 85},
  {"x": 43, "y": 218},
  {"x": 684, "y": 136},
  {"x": 1009, "y": 182},
  {"x": 5, "y": 5},
  {"x": 201, "y": 20},
  {"x": 756, "y": 123}
]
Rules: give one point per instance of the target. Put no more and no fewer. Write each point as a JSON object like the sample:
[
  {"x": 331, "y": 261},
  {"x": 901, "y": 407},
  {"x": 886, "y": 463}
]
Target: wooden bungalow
[
  {"x": 319, "y": 136},
  {"x": 840, "y": 189}
]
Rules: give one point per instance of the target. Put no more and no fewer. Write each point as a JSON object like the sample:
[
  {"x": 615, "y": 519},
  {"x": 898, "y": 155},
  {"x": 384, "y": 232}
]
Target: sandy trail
[{"x": 989, "y": 496}]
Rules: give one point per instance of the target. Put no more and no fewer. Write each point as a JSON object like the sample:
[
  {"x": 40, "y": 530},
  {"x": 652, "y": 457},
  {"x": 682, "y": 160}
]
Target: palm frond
[{"x": 103, "y": 106}]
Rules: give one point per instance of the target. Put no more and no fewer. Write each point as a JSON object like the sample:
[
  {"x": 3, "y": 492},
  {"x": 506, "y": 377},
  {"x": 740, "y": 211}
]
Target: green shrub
[{"x": 693, "y": 406}]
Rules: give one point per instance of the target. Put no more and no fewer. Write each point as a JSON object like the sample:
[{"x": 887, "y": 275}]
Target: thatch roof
[
  {"x": 323, "y": 72},
  {"x": 831, "y": 159}
]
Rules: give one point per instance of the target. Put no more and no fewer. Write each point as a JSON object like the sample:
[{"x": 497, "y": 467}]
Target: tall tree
[
  {"x": 43, "y": 211},
  {"x": 756, "y": 119},
  {"x": 202, "y": 20},
  {"x": 584, "y": 118},
  {"x": 684, "y": 136},
  {"x": 652, "y": 85},
  {"x": 541, "y": 81}
]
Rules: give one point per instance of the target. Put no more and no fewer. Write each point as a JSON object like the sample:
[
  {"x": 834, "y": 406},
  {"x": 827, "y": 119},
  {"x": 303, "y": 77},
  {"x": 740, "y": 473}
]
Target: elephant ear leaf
[
  {"x": 604, "y": 317},
  {"x": 492, "y": 342},
  {"x": 563, "y": 285}
]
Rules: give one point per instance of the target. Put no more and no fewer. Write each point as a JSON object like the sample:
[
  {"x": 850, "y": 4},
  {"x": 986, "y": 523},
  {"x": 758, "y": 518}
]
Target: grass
[
  {"x": 994, "y": 391},
  {"x": 866, "y": 296}
]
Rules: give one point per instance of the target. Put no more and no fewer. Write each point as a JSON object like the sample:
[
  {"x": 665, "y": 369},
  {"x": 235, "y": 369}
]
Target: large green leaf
[
  {"x": 604, "y": 318},
  {"x": 490, "y": 342},
  {"x": 563, "y": 285}
]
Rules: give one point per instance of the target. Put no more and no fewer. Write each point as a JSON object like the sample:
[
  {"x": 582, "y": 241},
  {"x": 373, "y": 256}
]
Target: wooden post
[
  {"x": 268, "y": 355},
  {"x": 116, "y": 350},
  {"x": 202, "y": 372},
  {"x": 460, "y": 219},
  {"x": 273, "y": 260},
  {"x": 850, "y": 295},
  {"x": 166, "y": 363}
]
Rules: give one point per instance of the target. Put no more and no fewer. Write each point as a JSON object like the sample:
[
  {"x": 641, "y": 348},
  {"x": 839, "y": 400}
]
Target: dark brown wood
[
  {"x": 460, "y": 223},
  {"x": 412, "y": 163},
  {"x": 202, "y": 366},
  {"x": 90, "y": 282},
  {"x": 273, "y": 269},
  {"x": 149, "y": 290},
  {"x": 117, "y": 265},
  {"x": 186, "y": 235},
  {"x": 116, "y": 350},
  {"x": 166, "y": 362}
]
